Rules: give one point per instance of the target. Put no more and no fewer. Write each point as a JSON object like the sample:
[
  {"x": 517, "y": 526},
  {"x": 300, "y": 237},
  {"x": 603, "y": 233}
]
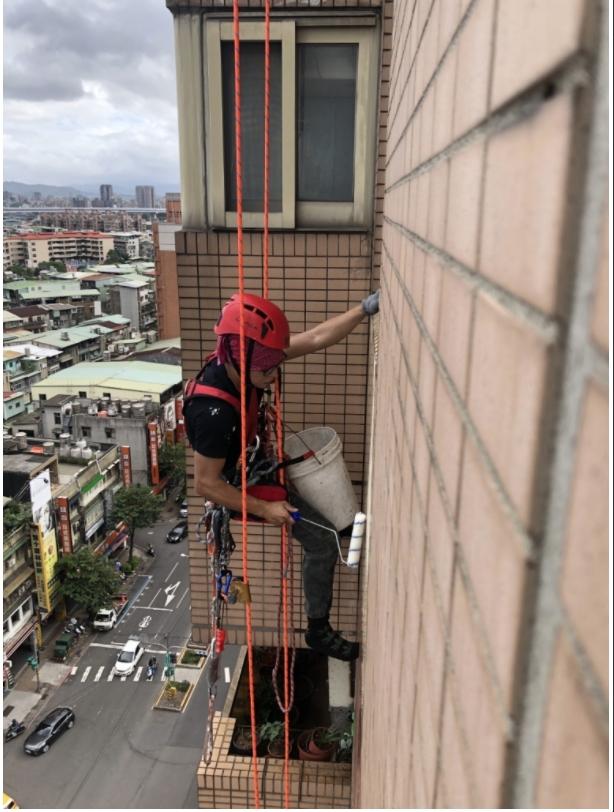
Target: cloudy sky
[{"x": 89, "y": 93}]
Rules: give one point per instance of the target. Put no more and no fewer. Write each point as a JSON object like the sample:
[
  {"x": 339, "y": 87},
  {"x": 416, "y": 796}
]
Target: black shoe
[{"x": 329, "y": 642}]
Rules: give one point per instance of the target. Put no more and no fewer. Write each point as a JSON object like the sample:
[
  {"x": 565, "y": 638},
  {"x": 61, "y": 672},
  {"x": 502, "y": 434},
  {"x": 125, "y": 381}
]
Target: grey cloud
[{"x": 40, "y": 87}]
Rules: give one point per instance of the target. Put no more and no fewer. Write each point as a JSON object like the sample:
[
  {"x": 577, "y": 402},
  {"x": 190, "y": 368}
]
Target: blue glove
[{"x": 370, "y": 305}]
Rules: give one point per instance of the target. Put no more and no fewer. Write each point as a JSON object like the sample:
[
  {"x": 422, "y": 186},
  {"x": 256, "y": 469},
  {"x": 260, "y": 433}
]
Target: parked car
[
  {"x": 179, "y": 531},
  {"x": 8, "y": 802},
  {"x": 47, "y": 731},
  {"x": 128, "y": 658},
  {"x": 183, "y": 510}
]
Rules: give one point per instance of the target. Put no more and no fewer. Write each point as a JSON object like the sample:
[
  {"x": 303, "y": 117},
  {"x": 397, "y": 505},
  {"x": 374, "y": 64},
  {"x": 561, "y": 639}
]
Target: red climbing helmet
[{"x": 264, "y": 321}]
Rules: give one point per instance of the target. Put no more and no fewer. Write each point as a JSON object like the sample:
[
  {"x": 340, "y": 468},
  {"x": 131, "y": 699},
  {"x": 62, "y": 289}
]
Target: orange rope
[
  {"x": 267, "y": 108},
  {"x": 284, "y": 598},
  {"x": 239, "y": 171}
]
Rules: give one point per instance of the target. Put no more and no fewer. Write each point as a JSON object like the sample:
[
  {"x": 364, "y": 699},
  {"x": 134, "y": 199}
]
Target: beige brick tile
[
  {"x": 464, "y": 203},
  {"x": 455, "y": 326},
  {"x": 447, "y": 438},
  {"x": 530, "y": 42},
  {"x": 444, "y": 102},
  {"x": 486, "y": 740},
  {"x": 496, "y": 566},
  {"x": 574, "y": 754},
  {"x": 525, "y": 201},
  {"x": 438, "y": 203},
  {"x": 472, "y": 75},
  {"x": 602, "y": 291},
  {"x": 453, "y": 752},
  {"x": 507, "y": 388},
  {"x": 584, "y": 580}
]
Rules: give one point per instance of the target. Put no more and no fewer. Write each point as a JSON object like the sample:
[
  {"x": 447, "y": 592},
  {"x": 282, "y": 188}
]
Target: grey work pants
[{"x": 320, "y": 556}]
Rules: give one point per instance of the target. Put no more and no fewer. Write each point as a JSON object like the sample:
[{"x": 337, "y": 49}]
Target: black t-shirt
[{"x": 212, "y": 425}]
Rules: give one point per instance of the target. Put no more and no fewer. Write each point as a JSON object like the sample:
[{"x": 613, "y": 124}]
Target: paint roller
[{"x": 358, "y": 534}]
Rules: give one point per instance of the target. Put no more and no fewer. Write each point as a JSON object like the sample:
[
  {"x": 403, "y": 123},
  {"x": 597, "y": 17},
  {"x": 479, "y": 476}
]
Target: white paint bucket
[{"x": 323, "y": 480}]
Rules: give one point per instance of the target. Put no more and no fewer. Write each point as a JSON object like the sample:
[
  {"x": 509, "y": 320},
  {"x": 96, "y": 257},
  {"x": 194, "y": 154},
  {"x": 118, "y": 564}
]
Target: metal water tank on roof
[
  {"x": 82, "y": 443},
  {"x": 92, "y": 409},
  {"x": 76, "y": 452},
  {"x": 22, "y": 441},
  {"x": 138, "y": 409},
  {"x": 76, "y": 407},
  {"x": 48, "y": 448},
  {"x": 87, "y": 454}
]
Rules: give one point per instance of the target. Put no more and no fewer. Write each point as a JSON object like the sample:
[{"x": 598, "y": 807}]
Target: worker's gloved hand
[
  {"x": 278, "y": 513},
  {"x": 370, "y": 305}
]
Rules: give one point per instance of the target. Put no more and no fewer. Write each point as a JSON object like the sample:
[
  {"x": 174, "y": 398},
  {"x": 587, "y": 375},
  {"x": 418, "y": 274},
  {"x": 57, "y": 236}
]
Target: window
[
  {"x": 86, "y": 431},
  {"x": 322, "y": 123},
  {"x": 109, "y": 433},
  {"x": 82, "y": 394},
  {"x": 57, "y": 418}
]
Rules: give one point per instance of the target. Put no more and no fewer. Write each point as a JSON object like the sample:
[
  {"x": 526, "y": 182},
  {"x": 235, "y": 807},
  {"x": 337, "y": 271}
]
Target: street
[{"x": 121, "y": 753}]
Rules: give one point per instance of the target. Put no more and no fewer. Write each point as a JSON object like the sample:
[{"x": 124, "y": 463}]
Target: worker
[{"x": 213, "y": 427}]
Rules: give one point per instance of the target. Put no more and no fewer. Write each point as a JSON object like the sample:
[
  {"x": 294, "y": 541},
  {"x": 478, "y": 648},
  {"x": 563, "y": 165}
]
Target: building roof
[
  {"x": 28, "y": 310},
  {"x": 33, "y": 351},
  {"x": 37, "y": 289},
  {"x": 132, "y": 376},
  {"x": 11, "y": 355},
  {"x": 69, "y": 336},
  {"x": 111, "y": 320},
  {"x": 166, "y": 355},
  {"x": 10, "y": 395},
  {"x": 8, "y": 317},
  {"x": 60, "y": 235},
  {"x": 133, "y": 283},
  {"x": 18, "y": 335}
]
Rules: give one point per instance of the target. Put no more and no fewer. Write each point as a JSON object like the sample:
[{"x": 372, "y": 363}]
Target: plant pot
[
  {"x": 277, "y": 748},
  {"x": 308, "y": 750},
  {"x": 242, "y": 741}
]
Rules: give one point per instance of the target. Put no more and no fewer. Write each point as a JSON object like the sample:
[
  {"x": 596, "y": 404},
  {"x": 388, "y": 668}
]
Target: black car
[
  {"x": 47, "y": 731},
  {"x": 179, "y": 531}
]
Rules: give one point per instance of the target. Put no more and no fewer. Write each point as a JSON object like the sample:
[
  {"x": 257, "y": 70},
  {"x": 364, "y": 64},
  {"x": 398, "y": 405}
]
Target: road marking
[
  {"x": 85, "y": 673},
  {"x": 183, "y": 555},
  {"x": 181, "y": 598},
  {"x": 227, "y": 674},
  {"x": 75, "y": 668},
  {"x": 155, "y": 596},
  {"x": 145, "y": 622},
  {"x": 99, "y": 673},
  {"x": 170, "y": 592},
  {"x": 154, "y": 608},
  {"x": 107, "y": 645},
  {"x": 124, "y": 678},
  {"x": 171, "y": 572},
  {"x": 137, "y": 676},
  {"x": 110, "y": 677}
]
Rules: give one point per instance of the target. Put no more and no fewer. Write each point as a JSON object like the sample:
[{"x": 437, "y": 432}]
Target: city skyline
[{"x": 103, "y": 110}]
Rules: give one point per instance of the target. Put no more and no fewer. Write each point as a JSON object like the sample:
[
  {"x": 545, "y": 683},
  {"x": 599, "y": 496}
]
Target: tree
[
  {"x": 138, "y": 507},
  {"x": 172, "y": 464},
  {"x": 87, "y": 579},
  {"x": 15, "y": 515},
  {"x": 55, "y": 264},
  {"x": 115, "y": 256}
]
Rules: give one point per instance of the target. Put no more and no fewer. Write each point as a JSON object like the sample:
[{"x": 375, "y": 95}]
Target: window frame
[
  {"x": 291, "y": 34},
  {"x": 218, "y": 31}
]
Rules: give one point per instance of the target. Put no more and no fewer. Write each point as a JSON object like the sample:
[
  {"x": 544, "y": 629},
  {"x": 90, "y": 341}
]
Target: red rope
[{"x": 239, "y": 172}]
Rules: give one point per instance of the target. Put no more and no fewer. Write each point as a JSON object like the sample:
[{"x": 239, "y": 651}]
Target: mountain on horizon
[{"x": 28, "y": 189}]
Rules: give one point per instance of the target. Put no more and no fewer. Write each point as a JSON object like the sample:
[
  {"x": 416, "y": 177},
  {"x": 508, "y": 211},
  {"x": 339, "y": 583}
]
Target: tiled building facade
[{"x": 482, "y": 597}]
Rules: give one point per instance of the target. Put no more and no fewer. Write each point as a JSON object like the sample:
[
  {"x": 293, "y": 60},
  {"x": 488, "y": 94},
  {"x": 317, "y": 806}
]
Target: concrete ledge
[{"x": 182, "y": 706}]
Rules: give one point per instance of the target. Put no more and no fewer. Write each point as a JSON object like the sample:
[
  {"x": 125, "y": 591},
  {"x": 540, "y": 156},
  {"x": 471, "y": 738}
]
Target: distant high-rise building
[
  {"x": 145, "y": 197},
  {"x": 106, "y": 194}
]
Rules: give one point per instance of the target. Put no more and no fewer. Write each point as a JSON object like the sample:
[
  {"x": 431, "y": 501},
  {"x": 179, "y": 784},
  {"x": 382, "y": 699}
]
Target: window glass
[
  {"x": 252, "y": 122},
  {"x": 326, "y": 114}
]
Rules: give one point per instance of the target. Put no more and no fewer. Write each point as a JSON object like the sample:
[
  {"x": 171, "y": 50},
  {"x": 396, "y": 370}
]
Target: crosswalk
[{"x": 104, "y": 673}]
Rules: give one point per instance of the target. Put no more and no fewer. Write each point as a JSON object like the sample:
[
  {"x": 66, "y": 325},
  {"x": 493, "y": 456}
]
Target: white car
[{"x": 128, "y": 658}]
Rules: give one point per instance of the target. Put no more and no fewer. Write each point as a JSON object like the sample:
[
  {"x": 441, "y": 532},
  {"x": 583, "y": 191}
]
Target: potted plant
[
  {"x": 242, "y": 740},
  {"x": 273, "y": 733},
  {"x": 345, "y": 744},
  {"x": 317, "y": 744}
]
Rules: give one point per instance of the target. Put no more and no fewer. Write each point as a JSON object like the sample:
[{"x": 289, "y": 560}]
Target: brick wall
[{"x": 486, "y": 599}]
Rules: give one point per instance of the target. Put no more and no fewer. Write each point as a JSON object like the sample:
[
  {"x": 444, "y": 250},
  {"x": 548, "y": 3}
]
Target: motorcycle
[
  {"x": 151, "y": 670},
  {"x": 74, "y": 627},
  {"x": 150, "y": 551},
  {"x": 13, "y": 730}
]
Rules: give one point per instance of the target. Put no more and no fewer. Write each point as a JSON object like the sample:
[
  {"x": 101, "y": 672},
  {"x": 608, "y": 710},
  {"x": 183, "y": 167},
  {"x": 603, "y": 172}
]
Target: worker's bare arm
[
  {"x": 326, "y": 334},
  {"x": 210, "y": 484}
]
